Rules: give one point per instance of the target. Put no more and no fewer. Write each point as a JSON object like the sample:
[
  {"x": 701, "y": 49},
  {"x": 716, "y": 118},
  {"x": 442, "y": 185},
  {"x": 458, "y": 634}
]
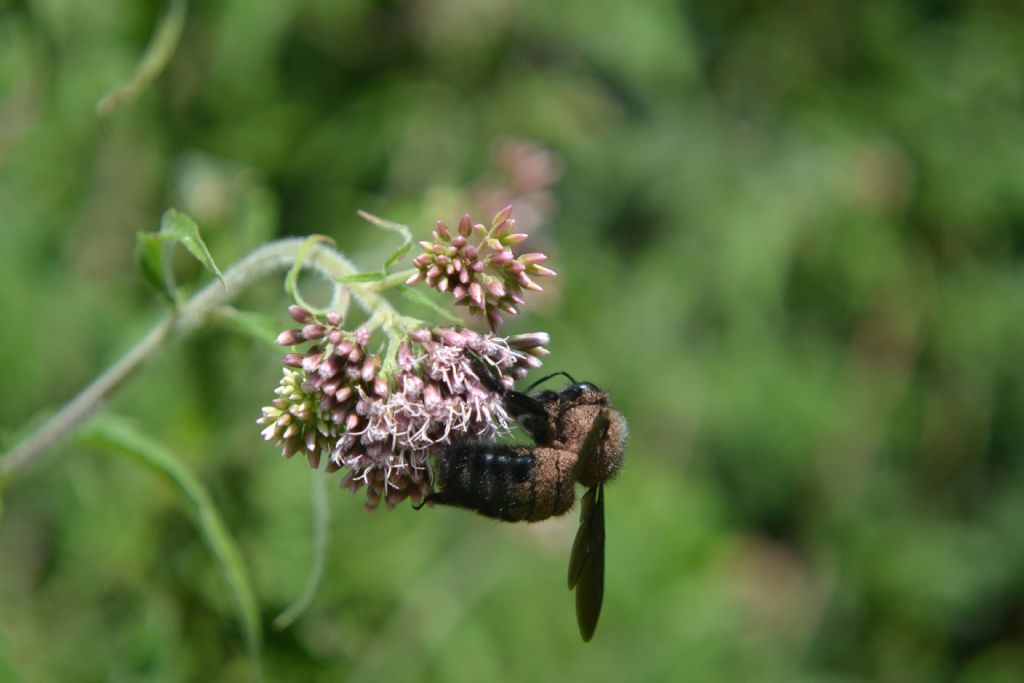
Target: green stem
[{"x": 195, "y": 313}]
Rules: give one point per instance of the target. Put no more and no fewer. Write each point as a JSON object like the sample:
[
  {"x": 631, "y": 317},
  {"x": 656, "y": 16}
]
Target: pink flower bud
[
  {"x": 334, "y": 318},
  {"x": 496, "y": 289},
  {"x": 330, "y": 367},
  {"x": 476, "y": 293},
  {"x": 503, "y": 228},
  {"x": 313, "y": 331},
  {"x": 420, "y": 334},
  {"x": 530, "y": 259},
  {"x": 293, "y": 360},
  {"x": 453, "y": 338},
  {"x": 414, "y": 278},
  {"x": 529, "y": 340},
  {"x": 442, "y": 230},
  {"x": 514, "y": 238},
  {"x": 290, "y": 338},
  {"x": 369, "y": 370},
  {"x": 502, "y": 257},
  {"x": 299, "y": 314},
  {"x": 465, "y": 225},
  {"x": 502, "y": 215},
  {"x": 343, "y": 349},
  {"x": 540, "y": 271},
  {"x": 311, "y": 361}
]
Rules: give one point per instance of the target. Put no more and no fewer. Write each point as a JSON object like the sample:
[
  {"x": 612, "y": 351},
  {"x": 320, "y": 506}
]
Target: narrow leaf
[
  {"x": 179, "y": 227},
  {"x": 149, "y": 253},
  {"x": 416, "y": 296},
  {"x": 402, "y": 230},
  {"x": 321, "y": 528},
  {"x": 291, "y": 281},
  {"x": 120, "y": 436},
  {"x": 158, "y": 53}
]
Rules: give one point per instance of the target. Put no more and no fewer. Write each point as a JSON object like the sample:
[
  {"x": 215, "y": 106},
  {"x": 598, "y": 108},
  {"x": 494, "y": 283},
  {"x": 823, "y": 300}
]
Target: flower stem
[{"x": 275, "y": 256}]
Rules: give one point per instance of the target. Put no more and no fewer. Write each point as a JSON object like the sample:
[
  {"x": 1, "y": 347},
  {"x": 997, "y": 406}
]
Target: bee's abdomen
[
  {"x": 493, "y": 479},
  {"x": 506, "y": 482}
]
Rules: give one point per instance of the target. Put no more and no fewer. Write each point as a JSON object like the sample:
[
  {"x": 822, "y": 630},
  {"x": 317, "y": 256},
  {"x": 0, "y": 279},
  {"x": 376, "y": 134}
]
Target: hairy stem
[{"x": 270, "y": 258}]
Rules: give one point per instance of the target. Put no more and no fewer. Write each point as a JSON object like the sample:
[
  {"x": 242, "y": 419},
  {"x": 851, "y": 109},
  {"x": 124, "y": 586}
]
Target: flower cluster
[
  {"x": 477, "y": 266},
  {"x": 382, "y": 418}
]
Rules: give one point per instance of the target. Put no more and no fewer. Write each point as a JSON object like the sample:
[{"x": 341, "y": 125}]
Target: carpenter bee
[{"x": 578, "y": 437}]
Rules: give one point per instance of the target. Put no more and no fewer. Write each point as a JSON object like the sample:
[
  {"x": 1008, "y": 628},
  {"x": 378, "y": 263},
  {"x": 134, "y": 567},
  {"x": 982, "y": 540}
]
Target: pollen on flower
[{"x": 382, "y": 419}]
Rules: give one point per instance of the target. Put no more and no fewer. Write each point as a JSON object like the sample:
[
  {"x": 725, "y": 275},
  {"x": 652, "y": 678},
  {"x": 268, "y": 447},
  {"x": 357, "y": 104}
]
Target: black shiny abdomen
[{"x": 493, "y": 479}]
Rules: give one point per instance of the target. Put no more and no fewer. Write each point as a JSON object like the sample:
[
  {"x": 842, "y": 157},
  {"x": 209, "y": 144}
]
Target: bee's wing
[{"x": 586, "y": 564}]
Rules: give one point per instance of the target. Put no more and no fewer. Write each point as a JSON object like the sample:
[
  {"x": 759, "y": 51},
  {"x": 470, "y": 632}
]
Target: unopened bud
[
  {"x": 313, "y": 331},
  {"x": 300, "y": 314},
  {"x": 290, "y": 338}
]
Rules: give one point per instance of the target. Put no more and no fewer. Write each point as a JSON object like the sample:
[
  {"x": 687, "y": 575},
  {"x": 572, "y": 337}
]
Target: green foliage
[
  {"x": 789, "y": 240},
  {"x": 153, "y": 255},
  {"x": 121, "y": 437}
]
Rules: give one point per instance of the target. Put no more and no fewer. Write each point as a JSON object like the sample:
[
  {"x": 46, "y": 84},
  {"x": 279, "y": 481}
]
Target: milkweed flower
[{"x": 381, "y": 419}]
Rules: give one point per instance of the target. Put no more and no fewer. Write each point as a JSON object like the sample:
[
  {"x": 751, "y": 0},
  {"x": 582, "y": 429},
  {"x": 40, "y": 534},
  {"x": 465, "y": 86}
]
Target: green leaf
[
  {"x": 149, "y": 253},
  {"x": 179, "y": 227},
  {"x": 394, "y": 227},
  {"x": 291, "y": 280},
  {"x": 120, "y": 436},
  {"x": 416, "y": 296},
  {"x": 376, "y": 276},
  {"x": 152, "y": 255},
  {"x": 158, "y": 53},
  {"x": 259, "y": 326}
]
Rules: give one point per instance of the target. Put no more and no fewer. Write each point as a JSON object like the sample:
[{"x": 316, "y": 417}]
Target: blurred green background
[{"x": 790, "y": 240}]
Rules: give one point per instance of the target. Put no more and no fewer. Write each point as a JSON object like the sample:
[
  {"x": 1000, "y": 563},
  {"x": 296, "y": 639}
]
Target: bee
[{"x": 578, "y": 437}]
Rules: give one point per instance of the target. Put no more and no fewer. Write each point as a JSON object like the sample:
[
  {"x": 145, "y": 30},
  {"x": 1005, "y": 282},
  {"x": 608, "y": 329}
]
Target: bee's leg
[{"x": 436, "y": 498}]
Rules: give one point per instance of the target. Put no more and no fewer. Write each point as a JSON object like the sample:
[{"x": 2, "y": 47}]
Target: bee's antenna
[{"x": 545, "y": 379}]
